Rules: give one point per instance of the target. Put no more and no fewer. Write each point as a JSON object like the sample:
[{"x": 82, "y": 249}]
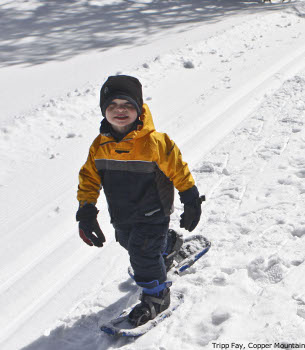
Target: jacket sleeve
[
  {"x": 89, "y": 180},
  {"x": 171, "y": 164}
]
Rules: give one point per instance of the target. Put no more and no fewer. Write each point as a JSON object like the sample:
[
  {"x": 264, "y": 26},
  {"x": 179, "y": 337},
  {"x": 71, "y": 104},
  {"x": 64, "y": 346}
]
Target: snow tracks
[{"x": 249, "y": 287}]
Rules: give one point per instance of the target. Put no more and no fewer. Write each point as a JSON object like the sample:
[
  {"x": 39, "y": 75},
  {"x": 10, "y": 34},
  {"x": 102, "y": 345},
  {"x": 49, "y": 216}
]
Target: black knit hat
[{"x": 123, "y": 87}]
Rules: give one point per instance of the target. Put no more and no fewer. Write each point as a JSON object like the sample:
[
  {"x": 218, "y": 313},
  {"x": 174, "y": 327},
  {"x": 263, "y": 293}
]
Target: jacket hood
[{"x": 148, "y": 124}]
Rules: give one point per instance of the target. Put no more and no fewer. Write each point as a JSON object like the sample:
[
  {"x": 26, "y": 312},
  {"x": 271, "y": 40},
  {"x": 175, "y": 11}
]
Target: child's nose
[{"x": 121, "y": 108}]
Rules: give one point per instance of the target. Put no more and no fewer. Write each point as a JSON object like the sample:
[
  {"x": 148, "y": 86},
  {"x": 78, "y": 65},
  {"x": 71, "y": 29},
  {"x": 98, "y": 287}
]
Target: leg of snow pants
[{"x": 145, "y": 244}]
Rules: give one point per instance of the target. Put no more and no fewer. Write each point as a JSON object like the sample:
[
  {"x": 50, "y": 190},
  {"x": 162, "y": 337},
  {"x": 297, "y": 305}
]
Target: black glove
[
  {"x": 192, "y": 208},
  {"x": 87, "y": 217}
]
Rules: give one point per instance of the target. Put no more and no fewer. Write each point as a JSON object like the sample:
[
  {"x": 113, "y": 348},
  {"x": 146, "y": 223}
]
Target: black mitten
[
  {"x": 89, "y": 229},
  {"x": 192, "y": 208}
]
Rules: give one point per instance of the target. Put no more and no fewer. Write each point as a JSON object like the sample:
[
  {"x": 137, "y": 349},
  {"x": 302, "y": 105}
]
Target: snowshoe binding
[
  {"x": 174, "y": 244},
  {"x": 149, "y": 307}
]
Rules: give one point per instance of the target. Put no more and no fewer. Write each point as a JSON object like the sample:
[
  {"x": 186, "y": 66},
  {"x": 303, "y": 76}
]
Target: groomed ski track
[{"x": 48, "y": 270}]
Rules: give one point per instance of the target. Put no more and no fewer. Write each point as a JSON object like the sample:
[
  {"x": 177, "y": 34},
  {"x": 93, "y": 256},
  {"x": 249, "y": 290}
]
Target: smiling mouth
[{"x": 121, "y": 117}]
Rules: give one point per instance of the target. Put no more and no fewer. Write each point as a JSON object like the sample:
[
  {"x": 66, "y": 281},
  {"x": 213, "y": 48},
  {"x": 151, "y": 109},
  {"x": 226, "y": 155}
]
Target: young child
[{"x": 138, "y": 169}]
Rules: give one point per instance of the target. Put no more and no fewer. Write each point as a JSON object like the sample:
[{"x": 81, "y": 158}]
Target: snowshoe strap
[
  {"x": 154, "y": 287},
  {"x": 150, "y": 301},
  {"x": 177, "y": 244},
  {"x": 176, "y": 248}
]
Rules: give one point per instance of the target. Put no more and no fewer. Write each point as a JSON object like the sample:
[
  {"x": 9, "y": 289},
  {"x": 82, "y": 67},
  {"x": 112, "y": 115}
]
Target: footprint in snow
[
  {"x": 297, "y": 162},
  {"x": 220, "y": 280},
  {"x": 269, "y": 150},
  {"x": 233, "y": 188},
  {"x": 207, "y": 334},
  {"x": 228, "y": 270},
  {"x": 298, "y": 232},
  {"x": 211, "y": 167},
  {"x": 219, "y": 316},
  {"x": 188, "y": 64},
  {"x": 206, "y": 167},
  {"x": 272, "y": 271},
  {"x": 300, "y": 299},
  {"x": 301, "y": 174},
  {"x": 291, "y": 121},
  {"x": 297, "y": 262}
]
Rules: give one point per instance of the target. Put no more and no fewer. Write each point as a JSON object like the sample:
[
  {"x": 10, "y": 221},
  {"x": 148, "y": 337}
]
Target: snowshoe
[{"x": 121, "y": 327}]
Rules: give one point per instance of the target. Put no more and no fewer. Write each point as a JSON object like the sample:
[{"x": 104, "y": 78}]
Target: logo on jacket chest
[{"x": 120, "y": 151}]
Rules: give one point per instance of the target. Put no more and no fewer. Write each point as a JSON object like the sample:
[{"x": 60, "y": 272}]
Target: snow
[{"x": 226, "y": 80}]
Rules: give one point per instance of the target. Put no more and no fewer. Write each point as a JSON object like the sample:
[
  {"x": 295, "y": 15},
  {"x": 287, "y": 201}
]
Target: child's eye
[{"x": 127, "y": 106}]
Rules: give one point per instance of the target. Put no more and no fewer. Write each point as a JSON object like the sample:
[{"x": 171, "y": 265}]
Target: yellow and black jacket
[{"x": 138, "y": 173}]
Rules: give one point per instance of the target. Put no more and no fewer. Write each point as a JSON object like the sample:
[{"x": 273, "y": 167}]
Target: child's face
[{"x": 120, "y": 114}]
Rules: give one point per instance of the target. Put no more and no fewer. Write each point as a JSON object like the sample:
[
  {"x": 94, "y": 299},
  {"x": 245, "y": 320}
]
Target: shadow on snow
[
  {"x": 59, "y": 29},
  {"x": 85, "y": 334}
]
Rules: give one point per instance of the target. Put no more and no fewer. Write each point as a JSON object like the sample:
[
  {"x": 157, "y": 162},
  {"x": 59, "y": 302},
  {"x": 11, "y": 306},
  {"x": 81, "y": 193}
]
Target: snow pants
[{"x": 145, "y": 243}]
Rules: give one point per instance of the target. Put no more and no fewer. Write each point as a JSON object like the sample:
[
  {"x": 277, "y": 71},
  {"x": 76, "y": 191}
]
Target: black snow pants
[{"x": 145, "y": 243}]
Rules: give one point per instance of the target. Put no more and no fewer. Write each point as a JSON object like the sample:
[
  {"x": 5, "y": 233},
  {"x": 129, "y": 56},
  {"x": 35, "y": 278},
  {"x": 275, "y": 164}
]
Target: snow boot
[
  {"x": 174, "y": 243},
  {"x": 150, "y": 306}
]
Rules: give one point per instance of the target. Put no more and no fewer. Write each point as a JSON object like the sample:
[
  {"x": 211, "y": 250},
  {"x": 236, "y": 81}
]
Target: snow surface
[{"x": 226, "y": 80}]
